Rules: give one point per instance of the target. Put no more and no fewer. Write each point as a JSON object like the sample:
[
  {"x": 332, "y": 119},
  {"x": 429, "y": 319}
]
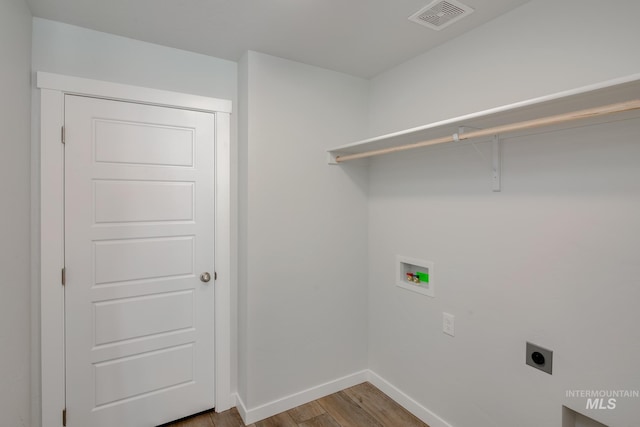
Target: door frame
[{"x": 53, "y": 88}]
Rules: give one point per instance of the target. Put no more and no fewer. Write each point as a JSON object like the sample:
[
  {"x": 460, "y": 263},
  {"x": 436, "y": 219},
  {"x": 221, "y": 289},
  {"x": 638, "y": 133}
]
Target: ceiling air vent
[{"x": 440, "y": 14}]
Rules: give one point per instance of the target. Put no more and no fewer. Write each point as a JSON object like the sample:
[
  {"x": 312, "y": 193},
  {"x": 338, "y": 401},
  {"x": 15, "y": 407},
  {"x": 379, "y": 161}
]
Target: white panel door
[{"x": 139, "y": 218}]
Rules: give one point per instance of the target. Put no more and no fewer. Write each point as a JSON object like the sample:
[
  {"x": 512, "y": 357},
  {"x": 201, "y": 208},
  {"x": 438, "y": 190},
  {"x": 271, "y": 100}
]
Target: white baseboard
[
  {"x": 267, "y": 410},
  {"x": 405, "y": 401}
]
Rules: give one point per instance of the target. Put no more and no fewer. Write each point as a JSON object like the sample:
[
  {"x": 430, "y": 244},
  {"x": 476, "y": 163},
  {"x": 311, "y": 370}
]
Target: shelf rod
[{"x": 497, "y": 130}]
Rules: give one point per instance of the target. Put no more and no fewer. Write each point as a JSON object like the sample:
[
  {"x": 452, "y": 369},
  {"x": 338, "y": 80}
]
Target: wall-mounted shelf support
[
  {"x": 496, "y": 158},
  {"x": 456, "y": 136},
  {"x": 496, "y": 164},
  {"x": 332, "y": 158}
]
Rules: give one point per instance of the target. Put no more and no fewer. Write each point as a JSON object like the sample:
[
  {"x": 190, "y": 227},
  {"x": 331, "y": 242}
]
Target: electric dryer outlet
[{"x": 539, "y": 358}]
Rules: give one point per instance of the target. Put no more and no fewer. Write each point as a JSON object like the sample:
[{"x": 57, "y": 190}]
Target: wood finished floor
[{"x": 359, "y": 406}]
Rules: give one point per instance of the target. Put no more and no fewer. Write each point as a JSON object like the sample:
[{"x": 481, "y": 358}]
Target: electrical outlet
[{"x": 448, "y": 324}]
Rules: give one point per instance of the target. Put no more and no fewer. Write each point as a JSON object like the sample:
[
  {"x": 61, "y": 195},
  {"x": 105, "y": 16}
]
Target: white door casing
[
  {"x": 126, "y": 295},
  {"x": 138, "y": 233}
]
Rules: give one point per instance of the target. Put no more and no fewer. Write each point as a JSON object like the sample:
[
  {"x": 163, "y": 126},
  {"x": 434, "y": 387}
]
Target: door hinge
[
  {"x": 62, "y": 134},
  {"x": 215, "y": 275},
  {"x": 64, "y": 417},
  {"x": 63, "y": 277}
]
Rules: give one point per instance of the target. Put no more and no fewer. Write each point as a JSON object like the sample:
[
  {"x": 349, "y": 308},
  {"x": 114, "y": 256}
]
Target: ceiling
[{"x": 358, "y": 37}]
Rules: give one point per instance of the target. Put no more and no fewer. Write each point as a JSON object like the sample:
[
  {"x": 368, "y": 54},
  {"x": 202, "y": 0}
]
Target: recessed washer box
[{"x": 415, "y": 275}]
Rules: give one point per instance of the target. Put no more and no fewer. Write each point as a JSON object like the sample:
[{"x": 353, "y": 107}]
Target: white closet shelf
[{"x": 616, "y": 91}]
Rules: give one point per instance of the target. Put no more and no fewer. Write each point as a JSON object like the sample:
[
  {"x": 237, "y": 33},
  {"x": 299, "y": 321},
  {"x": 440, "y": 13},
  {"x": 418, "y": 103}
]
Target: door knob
[{"x": 205, "y": 277}]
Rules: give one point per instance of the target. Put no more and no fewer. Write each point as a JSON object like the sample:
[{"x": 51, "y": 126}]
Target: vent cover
[{"x": 440, "y": 14}]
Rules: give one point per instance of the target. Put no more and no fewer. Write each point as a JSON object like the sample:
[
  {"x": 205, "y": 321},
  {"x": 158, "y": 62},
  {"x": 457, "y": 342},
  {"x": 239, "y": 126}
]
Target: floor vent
[{"x": 440, "y": 14}]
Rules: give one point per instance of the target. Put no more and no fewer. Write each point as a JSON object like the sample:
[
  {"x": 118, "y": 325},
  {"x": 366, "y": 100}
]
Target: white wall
[
  {"x": 303, "y": 233},
  {"x": 65, "y": 49},
  {"x": 551, "y": 259},
  {"x": 542, "y": 47},
  {"x": 15, "y": 51},
  {"x": 243, "y": 216}
]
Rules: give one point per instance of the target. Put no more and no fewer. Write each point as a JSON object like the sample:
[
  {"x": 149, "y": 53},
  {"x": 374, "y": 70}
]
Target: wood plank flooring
[{"x": 359, "y": 406}]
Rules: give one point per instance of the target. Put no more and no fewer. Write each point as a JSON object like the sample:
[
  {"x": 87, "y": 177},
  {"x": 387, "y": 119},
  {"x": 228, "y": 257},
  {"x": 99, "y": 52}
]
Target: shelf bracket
[
  {"x": 496, "y": 164},
  {"x": 496, "y": 159},
  {"x": 456, "y": 136},
  {"x": 331, "y": 158}
]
